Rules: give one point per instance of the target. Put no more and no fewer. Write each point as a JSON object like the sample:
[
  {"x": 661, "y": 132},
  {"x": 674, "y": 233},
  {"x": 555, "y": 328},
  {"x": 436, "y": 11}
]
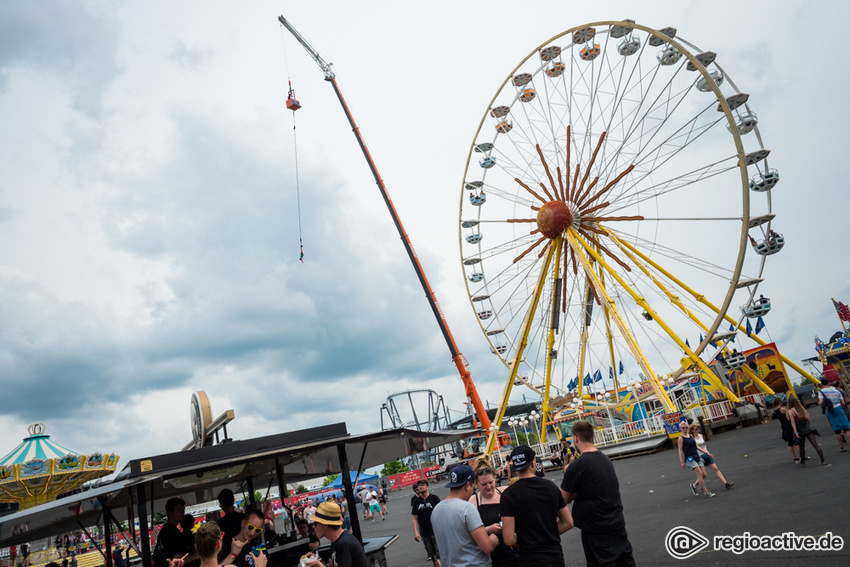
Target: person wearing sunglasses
[
  {"x": 422, "y": 505},
  {"x": 242, "y": 546},
  {"x": 208, "y": 538}
]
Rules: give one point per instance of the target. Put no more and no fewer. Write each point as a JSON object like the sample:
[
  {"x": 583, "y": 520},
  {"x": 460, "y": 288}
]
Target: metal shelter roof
[{"x": 197, "y": 475}]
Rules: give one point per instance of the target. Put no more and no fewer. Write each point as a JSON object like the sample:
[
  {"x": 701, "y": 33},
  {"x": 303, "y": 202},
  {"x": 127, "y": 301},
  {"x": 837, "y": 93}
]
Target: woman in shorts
[
  {"x": 689, "y": 455},
  {"x": 707, "y": 458}
]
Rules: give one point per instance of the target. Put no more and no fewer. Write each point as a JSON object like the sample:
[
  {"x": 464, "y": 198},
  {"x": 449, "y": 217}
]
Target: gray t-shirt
[{"x": 453, "y": 521}]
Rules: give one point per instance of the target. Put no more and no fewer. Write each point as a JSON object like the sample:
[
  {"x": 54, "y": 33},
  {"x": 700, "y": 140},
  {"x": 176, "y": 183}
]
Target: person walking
[
  {"x": 780, "y": 414},
  {"x": 689, "y": 455},
  {"x": 460, "y": 533},
  {"x": 832, "y": 403},
  {"x": 534, "y": 514},
  {"x": 708, "y": 458},
  {"x": 422, "y": 505},
  {"x": 803, "y": 429},
  {"x": 592, "y": 484},
  {"x": 488, "y": 501}
]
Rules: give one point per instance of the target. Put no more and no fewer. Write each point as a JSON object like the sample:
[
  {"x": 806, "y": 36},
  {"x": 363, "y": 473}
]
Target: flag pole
[{"x": 838, "y": 312}]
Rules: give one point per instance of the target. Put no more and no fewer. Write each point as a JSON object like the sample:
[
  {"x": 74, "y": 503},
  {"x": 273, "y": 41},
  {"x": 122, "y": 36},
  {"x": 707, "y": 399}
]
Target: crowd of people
[{"x": 480, "y": 524}]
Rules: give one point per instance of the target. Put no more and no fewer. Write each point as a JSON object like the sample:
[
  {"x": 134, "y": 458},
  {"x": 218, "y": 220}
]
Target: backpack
[{"x": 828, "y": 405}]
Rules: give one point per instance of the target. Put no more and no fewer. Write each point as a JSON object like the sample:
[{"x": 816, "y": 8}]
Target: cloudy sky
[{"x": 149, "y": 235}]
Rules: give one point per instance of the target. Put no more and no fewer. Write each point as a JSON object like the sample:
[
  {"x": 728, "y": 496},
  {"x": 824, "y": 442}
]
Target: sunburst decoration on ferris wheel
[{"x": 572, "y": 205}]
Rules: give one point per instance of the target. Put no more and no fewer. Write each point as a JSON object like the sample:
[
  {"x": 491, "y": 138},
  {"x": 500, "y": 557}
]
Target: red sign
[
  {"x": 410, "y": 478},
  {"x": 433, "y": 470}
]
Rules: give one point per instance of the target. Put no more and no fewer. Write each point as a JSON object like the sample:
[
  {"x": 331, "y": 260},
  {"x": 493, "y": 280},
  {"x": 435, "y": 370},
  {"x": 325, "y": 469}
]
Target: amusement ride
[{"x": 613, "y": 188}]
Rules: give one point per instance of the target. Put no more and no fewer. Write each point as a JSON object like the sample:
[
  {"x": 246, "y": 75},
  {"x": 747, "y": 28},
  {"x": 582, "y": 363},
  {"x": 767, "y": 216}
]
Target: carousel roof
[{"x": 37, "y": 446}]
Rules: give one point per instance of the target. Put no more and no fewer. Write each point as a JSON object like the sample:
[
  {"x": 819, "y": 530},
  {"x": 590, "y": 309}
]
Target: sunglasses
[{"x": 254, "y": 529}]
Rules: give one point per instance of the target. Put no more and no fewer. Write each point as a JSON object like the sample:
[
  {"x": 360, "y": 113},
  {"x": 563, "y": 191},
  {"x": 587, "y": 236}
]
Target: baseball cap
[
  {"x": 459, "y": 476},
  {"x": 521, "y": 457}
]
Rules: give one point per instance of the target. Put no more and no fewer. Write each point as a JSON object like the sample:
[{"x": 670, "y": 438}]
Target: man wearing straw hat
[{"x": 346, "y": 551}]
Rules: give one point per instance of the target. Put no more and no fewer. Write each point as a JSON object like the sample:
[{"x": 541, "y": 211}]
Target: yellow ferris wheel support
[
  {"x": 579, "y": 246},
  {"x": 526, "y": 329},
  {"x": 574, "y": 240},
  {"x": 701, "y": 299},
  {"x": 675, "y": 300}
]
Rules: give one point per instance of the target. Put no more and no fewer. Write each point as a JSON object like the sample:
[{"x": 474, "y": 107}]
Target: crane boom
[
  {"x": 457, "y": 357},
  {"x": 326, "y": 67}
]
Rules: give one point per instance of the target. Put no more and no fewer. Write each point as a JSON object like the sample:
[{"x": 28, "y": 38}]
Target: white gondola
[
  {"x": 504, "y": 126},
  {"x": 484, "y": 315},
  {"x": 669, "y": 55},
  {"x": 703, "y": 84},
  {"x": 499, "y": 349},
  {"x": 469, "y": 223},
  {"x": 745, "y": 123},
  {"x": 487, "y": 162},
  {"x": 483, "y": 147},
  {"x": 474, "y": 238},
  {"x": 477, "y": 200},
  {"x": 476, "y": 277},
  {"x": 764, "y": 181},
  {"x": 590, "y": 52},
  {"x": 628, "y": 46},
  {"x": 555, "y": 69},
  {"x": 770, "y": 245},
  {"x": 757, "y": 308},
  {"x": 735, "y": 360}
]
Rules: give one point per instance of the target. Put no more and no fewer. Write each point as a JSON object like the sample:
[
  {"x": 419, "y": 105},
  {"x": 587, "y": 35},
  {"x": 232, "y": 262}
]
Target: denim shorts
[{"x": 693, "y": 462}]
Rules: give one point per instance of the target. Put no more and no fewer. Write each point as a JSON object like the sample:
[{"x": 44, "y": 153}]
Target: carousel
[{"x": 39, "y": 469}]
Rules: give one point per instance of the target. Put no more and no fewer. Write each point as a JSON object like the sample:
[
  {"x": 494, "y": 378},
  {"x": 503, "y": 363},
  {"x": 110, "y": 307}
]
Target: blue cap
[{"x": 459, "y": 476}]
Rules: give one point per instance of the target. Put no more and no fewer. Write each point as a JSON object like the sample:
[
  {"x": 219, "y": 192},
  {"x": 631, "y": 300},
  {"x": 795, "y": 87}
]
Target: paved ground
[{"x": 771, "y": 496}]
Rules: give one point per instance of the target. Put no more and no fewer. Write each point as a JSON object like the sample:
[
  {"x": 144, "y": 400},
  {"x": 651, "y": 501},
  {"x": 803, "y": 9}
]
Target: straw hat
[{"x": 328, "y": 514}]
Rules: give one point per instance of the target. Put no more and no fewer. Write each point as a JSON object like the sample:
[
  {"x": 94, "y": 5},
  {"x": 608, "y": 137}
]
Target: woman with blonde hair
[
  {"x": 803, "y": 429},
  {"x": 689, "y": 455},
  {"x": 488, "y": 501}
]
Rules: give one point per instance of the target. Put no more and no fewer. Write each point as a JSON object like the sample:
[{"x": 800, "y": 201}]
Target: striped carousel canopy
[{"x": 37, "y": 446}]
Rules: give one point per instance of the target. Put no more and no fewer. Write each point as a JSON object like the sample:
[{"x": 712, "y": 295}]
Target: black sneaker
[
  {"x": 729, "y": 485},
  {"x": 694, "y": 489}
]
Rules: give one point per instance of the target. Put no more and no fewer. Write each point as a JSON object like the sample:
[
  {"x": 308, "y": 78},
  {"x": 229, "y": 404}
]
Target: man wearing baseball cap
[
  {"x": 534, "y": 514},
  {"x": 346, "y": 551},
  {"x": 461, "y": 537}
]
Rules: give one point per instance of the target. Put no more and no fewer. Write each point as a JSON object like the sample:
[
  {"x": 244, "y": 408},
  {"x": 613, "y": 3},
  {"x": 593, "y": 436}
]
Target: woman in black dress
[
  {"x": 781, "y": 415},
  {"x": 487, "y": 500}
]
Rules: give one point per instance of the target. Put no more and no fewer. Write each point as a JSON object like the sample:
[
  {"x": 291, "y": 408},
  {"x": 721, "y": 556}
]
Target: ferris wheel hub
[{"x": 553, "y": 218}]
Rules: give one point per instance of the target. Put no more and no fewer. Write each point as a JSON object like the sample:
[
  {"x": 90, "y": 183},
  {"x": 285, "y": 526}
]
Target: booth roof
[{"x": 198, "y": 474}]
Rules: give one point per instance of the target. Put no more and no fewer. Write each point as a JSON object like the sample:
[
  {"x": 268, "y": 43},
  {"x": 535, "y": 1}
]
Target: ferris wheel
[{"x": 613, "y": 188}]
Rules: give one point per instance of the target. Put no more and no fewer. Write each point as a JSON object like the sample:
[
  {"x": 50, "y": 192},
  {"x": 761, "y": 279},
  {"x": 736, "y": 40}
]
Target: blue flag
[
  {"x": 687, "y": 344},
  {"x": 587, "y": 381},
  {"x": 573, "y": 384},
  {"x": 610, "y": 373},
  {"x": 597, "y": 376},
  {"x": 749, "y": 329},
  {"x": 732, "y": 328},
  {"x": 759, "y": 325},
  {"x": 622, "y": 368}
]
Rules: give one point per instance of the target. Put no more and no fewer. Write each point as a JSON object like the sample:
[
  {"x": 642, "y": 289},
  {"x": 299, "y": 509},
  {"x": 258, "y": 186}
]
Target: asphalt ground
[{"x": 771, "y": 496}]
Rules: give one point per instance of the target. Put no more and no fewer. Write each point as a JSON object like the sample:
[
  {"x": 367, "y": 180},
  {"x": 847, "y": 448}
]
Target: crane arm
[{"x": 326, "y": 67}]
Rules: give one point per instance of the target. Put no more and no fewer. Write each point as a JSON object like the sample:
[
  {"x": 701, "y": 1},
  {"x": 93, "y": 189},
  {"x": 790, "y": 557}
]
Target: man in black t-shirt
[
  {"x": 169, "y": 543},
  {"x": 230, "y": 523},
  {"x": 422, "y": 505},
  {"x": 591, "y": 482},
  {"x": 534, "y": 514},
  {"x": 346, "y": 551}
]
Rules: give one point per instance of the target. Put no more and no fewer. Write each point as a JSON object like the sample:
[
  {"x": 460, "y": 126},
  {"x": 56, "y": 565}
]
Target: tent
[{"x": 363, "y": 479}]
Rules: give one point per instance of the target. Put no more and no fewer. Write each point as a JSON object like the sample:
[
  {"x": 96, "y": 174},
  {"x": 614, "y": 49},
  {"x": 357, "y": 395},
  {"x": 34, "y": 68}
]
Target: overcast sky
[{"x": 149, "y": 235}]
